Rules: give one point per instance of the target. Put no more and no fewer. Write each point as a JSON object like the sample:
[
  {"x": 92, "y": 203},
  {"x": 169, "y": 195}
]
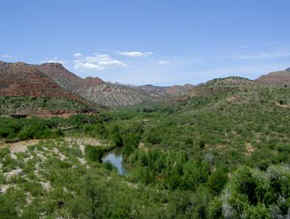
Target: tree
[{"x": 116, "y": 136}]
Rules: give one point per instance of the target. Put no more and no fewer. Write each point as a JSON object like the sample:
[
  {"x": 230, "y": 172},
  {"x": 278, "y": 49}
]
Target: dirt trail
[
  {"x": 83, "y": 141},
  {"x": 282, "y": 105},
  {"x": 20, "y": 146}
]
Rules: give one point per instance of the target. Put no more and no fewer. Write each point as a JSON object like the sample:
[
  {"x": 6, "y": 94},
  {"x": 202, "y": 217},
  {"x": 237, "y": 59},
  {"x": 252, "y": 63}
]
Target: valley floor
[{"x": 223, "y": 155}]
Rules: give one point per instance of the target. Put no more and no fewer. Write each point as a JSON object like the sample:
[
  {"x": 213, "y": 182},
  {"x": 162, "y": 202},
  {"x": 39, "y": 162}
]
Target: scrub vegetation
[{"x": 222, "y": 154}]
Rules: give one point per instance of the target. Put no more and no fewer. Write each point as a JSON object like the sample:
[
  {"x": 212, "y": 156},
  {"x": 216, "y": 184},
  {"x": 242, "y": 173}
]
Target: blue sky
[{"x": 160, "y": 42}]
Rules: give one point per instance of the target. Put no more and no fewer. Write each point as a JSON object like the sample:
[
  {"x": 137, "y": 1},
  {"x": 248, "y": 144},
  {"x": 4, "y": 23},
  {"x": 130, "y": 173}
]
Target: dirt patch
[
  {"x": 233, "y": 99},
  {"x": 282, "y": 105},
  {"x": 221, "y": 147},
  {"x": 46, "y": 186},
  {"x": 13, "y": 173},
  {"x": 48, "y": 114},
  {"x": 249, "y": 149},
  {"x": 142, "y": 147},
  {"x": 4, "y": 188},
  {"x": 82, "y": 161},
  {"x": 83, "y": 141},
  {"x": 21, "y": 146}
]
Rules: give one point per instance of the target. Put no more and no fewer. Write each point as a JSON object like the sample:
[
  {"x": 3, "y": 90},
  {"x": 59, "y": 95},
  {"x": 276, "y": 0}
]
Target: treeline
[{"x": 39, "y": 128}]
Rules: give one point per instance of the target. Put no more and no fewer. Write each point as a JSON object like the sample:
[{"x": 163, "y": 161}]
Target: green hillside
[
  {"x": 223, "y": 155},
  {"x": 33, "y": 105}
]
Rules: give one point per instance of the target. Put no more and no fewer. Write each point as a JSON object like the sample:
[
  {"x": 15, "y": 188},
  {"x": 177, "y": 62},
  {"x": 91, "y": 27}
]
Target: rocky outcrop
[
  {"x": 93, "y": 89},
  {"x": 21, "y": 79},
  {"x": 53, "y": 79},
  {"x": 24, "y": 80},
  {"x": 58, "y": 73}
]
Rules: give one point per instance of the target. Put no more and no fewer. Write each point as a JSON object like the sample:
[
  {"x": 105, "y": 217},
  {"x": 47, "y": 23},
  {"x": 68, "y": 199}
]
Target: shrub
[
  {"x": 116, "y": 136},
  {"x": 258, "y": 194},
  {"x": 153, "y": 136},
  {"x": 194, "y": 174},
  {"x": 4, "y": 152},
  {"x": 217, "y": 181},
  {"x": 94, "y": 153},
  {"x": 109, "y": 166},
  {"x": 215, "y": 209},
  {"x": 131, "y": 143}
]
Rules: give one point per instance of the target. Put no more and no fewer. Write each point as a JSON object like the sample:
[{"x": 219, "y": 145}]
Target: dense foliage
[
  {"x": 22, "y": 104},
  {"x": 223, "y": 155}
]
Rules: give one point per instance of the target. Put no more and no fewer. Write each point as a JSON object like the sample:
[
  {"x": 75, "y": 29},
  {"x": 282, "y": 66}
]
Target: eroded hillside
[{"x": 24, "y": 89}]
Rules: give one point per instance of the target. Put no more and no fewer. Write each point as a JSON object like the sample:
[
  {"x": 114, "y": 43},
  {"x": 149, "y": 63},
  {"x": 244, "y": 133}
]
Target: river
[{"x": 116, "y": 159}]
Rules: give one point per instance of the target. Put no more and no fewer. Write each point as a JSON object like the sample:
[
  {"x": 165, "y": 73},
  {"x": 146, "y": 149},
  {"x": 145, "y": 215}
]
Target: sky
[{"x": 160, "y": 42}]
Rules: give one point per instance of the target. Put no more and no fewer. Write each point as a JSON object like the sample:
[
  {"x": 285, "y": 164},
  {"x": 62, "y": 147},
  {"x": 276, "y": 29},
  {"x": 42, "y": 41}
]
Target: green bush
[
  {"x": 153, "y": 136},
  {"x": 94, "y": 153},
  {"x": 109, "y": 166},
  {"x": 258, "y": 194},
  {"x": 131, "y": 143},
  {"x": 194, "y": 175},
  {"x": 116, "y": 136},
  {"x": 4, "y": 152},
  {"x": 217, "y": 180}
]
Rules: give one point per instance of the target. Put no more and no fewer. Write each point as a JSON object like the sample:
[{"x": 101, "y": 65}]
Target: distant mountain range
[
  {"x": 52, "y": 80},
  {"x": 106, "y": 93}
]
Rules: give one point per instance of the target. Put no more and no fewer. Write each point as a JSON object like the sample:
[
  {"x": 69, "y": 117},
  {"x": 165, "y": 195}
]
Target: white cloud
[
  {"x": 77, "y": 54},
  {"x": 135, "y": 53},
  {"x": 97, "y": 62},
  {"x": 163, "y": 62},
  {"x": 87, "y": 66},
  {"x": 53, "y": 60},
  {"x": 6, "y": 56}
]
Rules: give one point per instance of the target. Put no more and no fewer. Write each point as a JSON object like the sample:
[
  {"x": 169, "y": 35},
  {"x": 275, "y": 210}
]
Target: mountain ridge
[
  {"x": 109, "y": 94},
  {"x": 277, "y": 78},
  {"x": 42, "y": 79},
  {"x": 25, "y": 80}
]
